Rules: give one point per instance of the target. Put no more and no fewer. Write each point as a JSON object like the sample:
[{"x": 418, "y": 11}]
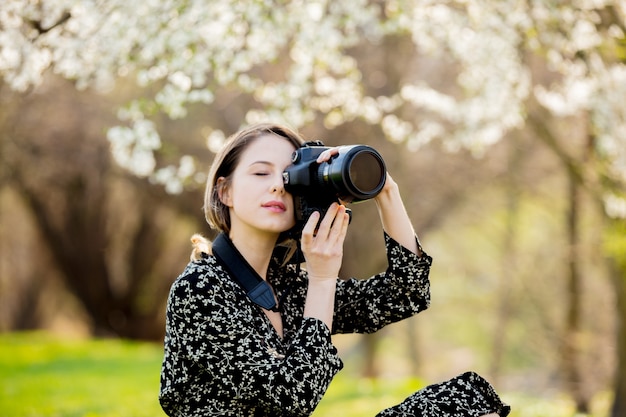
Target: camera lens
[
  {"x": 358, "y": 173},
  {"x": 365, "y": 172}
]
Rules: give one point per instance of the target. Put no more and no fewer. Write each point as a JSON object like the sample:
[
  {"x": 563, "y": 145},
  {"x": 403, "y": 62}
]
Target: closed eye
[{"x": 261, "y": 168}]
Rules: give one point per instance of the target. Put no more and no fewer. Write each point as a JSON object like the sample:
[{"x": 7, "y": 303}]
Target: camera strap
[{"x": 257, "y": 289}]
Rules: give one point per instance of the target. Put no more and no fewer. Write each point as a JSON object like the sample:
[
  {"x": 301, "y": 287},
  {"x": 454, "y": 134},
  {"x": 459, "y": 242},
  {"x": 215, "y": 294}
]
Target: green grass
[
  {"x": 47, "y": 376},
  {"x": 42, "y": 375}
]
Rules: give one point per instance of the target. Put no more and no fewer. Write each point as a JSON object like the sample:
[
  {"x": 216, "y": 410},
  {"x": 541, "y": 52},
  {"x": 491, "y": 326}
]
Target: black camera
[{"x": 356, "y": 173}]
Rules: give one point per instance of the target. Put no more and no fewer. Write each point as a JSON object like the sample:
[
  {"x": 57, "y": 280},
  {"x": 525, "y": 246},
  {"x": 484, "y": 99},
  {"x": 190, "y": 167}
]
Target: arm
[
  {"x": 215, "y": 342},
  {"x": 323, "y": 251},
  {"x": 394, "y": 218},
  {"x": 393, "y": 215},
  {"x": 403, "y": 290}
]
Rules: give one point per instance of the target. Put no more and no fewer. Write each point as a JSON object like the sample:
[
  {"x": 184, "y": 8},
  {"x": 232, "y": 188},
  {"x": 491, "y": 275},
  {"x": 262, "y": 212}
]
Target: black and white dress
[{"x": 223, "y": 357}]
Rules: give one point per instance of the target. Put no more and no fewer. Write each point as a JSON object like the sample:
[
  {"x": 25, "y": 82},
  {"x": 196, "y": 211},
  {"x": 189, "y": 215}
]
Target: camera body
[{"x": 356, "y": 173}]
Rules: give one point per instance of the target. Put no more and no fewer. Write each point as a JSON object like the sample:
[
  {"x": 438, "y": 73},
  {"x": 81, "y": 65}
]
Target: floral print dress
[{"x": 223, "y": 357}]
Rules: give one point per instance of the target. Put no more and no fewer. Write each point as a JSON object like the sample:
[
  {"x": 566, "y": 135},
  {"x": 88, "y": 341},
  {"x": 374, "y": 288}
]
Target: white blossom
[
  {"x": 191, "y": 48},
  {"x": 615, "y": 206},
  {"x": 215, "y": 140}
]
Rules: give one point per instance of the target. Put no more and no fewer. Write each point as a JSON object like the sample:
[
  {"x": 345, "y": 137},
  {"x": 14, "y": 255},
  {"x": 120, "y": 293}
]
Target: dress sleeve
[
  {"x": 366, "y": 306},
  {"x": 231, "y": 363}
]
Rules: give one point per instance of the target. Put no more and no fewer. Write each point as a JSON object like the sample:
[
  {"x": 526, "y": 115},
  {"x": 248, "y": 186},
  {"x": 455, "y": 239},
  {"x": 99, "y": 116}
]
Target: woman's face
[{"x": 255, "y": 194}]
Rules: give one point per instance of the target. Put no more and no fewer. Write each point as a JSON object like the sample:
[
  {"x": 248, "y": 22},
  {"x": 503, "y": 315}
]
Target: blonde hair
[
  {"x": 199, "y": 245},
  {"x": 226, "y": 160}
]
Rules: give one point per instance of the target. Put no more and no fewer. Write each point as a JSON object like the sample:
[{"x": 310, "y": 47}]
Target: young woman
[{"x": 226, "y": 356}]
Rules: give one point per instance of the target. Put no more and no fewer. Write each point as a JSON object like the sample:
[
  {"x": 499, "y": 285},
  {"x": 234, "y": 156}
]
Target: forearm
[
  {"x": 320, "y": 300},
  {"x": 394, "y": 217},
  {"x": 291, "y": 385},
  {"x": 323, "y": 251},
  {"x": 365, "y": 306}
]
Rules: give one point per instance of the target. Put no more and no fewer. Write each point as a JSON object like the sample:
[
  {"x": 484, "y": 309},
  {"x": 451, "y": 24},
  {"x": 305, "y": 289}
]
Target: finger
[
  {"x": 327, "y": 222},
  {"x": 327, "y": 155},
  {"x": 308, "y": 231},
  {"x": 340, "y": 225}
]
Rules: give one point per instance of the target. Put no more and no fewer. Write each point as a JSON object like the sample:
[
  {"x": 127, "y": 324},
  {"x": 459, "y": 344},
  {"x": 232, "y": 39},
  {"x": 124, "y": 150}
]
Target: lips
[{"x": 275, "y": 206}]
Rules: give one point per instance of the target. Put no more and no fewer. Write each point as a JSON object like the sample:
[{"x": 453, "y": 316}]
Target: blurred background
[{"x": 526, "y": 226}]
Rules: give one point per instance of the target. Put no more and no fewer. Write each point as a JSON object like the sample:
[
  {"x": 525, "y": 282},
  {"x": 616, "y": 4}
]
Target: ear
[{"x": 224, "y": 191}]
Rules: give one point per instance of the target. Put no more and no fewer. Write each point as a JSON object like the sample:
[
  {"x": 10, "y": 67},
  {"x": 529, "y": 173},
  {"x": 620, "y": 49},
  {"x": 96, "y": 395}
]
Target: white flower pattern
[{"x": 223, "y": 357}]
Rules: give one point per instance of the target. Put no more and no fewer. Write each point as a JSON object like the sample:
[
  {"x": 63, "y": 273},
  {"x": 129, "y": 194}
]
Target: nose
[{"x": 278, "y": 185}]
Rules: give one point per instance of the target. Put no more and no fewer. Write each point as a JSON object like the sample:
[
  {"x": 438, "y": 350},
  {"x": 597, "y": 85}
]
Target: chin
[
  {"x": 278, "y": 228},
  {"x": 284, "y": 229}
]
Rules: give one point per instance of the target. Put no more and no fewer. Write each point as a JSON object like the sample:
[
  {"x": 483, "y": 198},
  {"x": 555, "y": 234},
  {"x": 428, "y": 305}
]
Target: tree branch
[{"x": 37, "y": 24}]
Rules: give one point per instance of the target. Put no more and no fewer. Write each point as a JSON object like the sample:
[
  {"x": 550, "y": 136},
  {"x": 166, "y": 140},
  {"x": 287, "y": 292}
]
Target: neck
[{"x": 257, "y": 250}]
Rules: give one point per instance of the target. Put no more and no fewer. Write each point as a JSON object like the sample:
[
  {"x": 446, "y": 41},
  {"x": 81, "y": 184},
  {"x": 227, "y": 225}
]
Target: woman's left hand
[{"x": 327, "y": 155}]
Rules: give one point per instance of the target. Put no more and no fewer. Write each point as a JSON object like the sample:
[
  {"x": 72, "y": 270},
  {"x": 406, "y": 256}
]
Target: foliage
[
  {"x": 44, "y": 376},
  {"x": 615, "y": 242}
]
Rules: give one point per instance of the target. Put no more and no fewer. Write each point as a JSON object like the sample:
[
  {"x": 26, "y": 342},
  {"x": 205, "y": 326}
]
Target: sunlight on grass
[
  {"x": 47, "y": 376},
  {"x": 41, "y": 375},
  {"x": 364, "y": 396}
]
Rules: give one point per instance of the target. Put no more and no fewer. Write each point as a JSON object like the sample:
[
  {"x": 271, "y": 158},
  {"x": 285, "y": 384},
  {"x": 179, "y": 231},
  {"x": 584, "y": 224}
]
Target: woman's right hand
[
  {"x": 323, "y": 251},
  {"x": 323, "y": 247}
]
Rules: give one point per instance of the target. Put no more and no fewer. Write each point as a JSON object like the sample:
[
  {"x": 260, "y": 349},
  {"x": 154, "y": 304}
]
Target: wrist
[
  {"x": 322, "y": 282},
  {"x": 389, "y": 194},
  {"x": 320, "y": 300}
]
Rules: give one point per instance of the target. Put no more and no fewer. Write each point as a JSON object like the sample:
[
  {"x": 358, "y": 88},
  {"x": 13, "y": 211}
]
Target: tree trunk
[
  {"x": 369, "y": 342},
  {"x": 109, "y": 234},
  {"x": 619, "y": 403},
  {"x": 508, "y": 265},
  {"x": 571, "y": 340},
  {"x": 618, "y": 270},
  {"x": 78, "y": 242}
]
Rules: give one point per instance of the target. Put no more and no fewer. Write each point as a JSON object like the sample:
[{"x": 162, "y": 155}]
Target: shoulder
[
  {"x": 204, "y": 292},
  {"x": 203, "y": 275}
]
